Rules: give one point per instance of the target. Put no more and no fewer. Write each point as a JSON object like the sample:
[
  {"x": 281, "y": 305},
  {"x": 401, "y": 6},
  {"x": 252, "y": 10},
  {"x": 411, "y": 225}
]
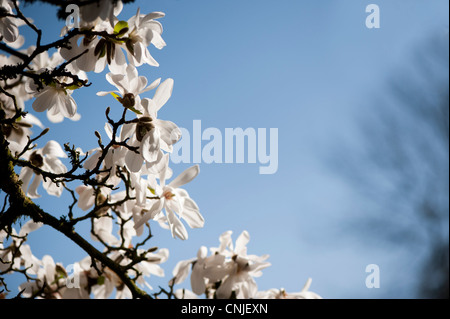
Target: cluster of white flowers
[
  {"x": 137, "y": 155},
  {"x": 229, "y": 272}
]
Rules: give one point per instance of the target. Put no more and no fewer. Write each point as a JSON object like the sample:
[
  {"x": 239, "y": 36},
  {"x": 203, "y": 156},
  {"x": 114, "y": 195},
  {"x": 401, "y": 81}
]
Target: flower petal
[
  {"x": 185, "y": 177},
  {"x": 29, "y": 227},
  {"x": 52, "y": 148},
  {"x": 176, "y": 226},
  {"x": 163, "y": 93},
  {"x": 150, "y": 145}
]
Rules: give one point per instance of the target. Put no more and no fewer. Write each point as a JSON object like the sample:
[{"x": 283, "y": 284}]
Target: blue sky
[{"x": 308, "y": 68}]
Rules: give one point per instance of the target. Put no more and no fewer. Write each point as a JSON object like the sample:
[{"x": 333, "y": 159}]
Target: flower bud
[
  {"x": 127, "y": 100},
  {"x": 143, "y": 126},
  {"x": 37, "y": 160}
]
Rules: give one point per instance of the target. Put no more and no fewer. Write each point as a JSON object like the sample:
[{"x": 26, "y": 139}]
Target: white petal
[
  {"x": 109, "y": 131},
  {"x": 25, "y": 176},
  {"x": 150, "y": 145},
  {"x": 75, "y": 117},
  {"x": 158, "y": 41},
  {"x": 170, "y": 133},
  {"x": 31, "y": 119},
  {"x": 149, "y": 107},
  {"x": 181, "y": 270},
  {"x": 153, "y": 15},
  {"x": 191, "y": 214},
  {"x": 152, "y": 212},
  {"x": 91, "y": 162},
  {"x": 102, "y": 93},
  {"x": 185, "y": 177},
  {"x": 197, "y": 280},
  {"x": 176, "y": 226},
  {"x": 152, "y": 86},
  {"x": 52, "y": 188},
  {"x": 87, "y": 198},
  {"x": 70, "y": 107},
  {"x": 54, "y": 165},
  {"x": 163, "y": 93},
  {"x": 126, "y": 131},
  {"x": 174, "y": 204},
  {"x": 242, "y": 242},
  {"x": 134, "y": 161},
  {"x": 29, "y": 227},
  {"x": 225, "y": 289},
  {"x": 52, "y": 148},
  {"x": 44, "y": 100},
  {"x": 55, "y": 118},
  {"x": 32, "y": 189}
]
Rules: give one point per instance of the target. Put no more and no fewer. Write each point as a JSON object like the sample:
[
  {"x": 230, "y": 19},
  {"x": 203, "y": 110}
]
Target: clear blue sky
[{"x": 307, "y": 68}]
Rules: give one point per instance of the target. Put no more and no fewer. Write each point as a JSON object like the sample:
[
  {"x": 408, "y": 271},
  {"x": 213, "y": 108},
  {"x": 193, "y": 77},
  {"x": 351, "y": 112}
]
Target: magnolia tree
[{"x": 125, "y": 181}]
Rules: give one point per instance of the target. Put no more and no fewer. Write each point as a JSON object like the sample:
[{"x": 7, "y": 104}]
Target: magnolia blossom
[
  {"x": 129, "y": 85},
  {"x": 229, "y": 267},
  {"x": 17, "y": 133},
  {"x": 56, "y": 99},
  {"x": 241, "y": 269},
  {"x": 150, "y": 266},
  {"x": 150, "y": 135},
  {"x": 98, "y": 16},
  {"x": 99, "y": 51},
  {"x": 47, "y": 159},
  {"x": 176, "y": 203},
  {"x": 133, "y": 37},
  {"x": 9, "y": 26},
  {"x": 18, "y": 254},
  {"x": 147, "y": 132},
  {"x": 50, "y": 277},
  {"x": 143, "y": 30}
]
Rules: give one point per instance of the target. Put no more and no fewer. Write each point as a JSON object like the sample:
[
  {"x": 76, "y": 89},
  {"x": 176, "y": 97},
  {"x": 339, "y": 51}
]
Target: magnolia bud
[
  {"x": 128, "y": 100},
  {"x": 143, "y": 126},
  {"x": 37, "y": 159}
]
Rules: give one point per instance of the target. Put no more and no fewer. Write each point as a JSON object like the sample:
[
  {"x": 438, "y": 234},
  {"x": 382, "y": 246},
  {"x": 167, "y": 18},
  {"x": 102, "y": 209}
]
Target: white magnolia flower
[
  {"x": 51, "y": 276},
  {"x": 148, "y": 133},
  {"x": 47, "y": 159},
  {"x": 129, "y": 85},
  {"x": 176, "y": 203},
  {"x": 43, "y": 61},
  {"x": 18, "y": 254},
  {"x": 242, "y": 268},
  {"x": 102, "y": 229},
  {"x": 100, "y": 51},
  {"x": 229, "y": 267},
  {"x": 56, "y": 99},
  {"x": 133, "y": 37},
  {"x": 150, "y": 266},
  {"x": 181, "y": 271},
  {"x": 9, "y": 26},
  {"x": 143, "y": 31},
  {"x": 17, "y": 133}
]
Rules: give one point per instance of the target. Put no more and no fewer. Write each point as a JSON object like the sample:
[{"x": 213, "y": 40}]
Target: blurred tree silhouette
[{"x": 404, "y": 164}]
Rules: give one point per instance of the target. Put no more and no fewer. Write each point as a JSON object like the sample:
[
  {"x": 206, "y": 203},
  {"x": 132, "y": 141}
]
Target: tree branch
[{"x": 21, "y": 205}]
